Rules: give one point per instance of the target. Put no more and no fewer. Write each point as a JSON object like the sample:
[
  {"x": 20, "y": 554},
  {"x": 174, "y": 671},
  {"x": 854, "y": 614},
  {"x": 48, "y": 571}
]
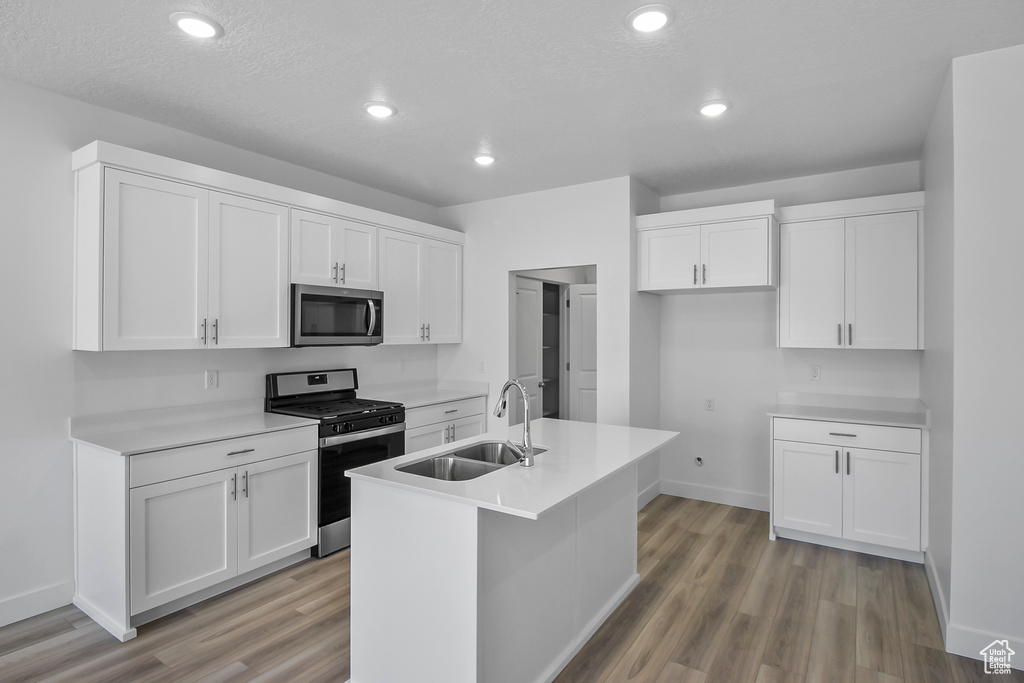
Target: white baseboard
[
  {"x": 647, "y": 495},
  {"x": 36, "y": 602},
  {"x": 711, "y": 494},
  {"x": 938, "y": 597},
  {"x": 969, "y": 642}
]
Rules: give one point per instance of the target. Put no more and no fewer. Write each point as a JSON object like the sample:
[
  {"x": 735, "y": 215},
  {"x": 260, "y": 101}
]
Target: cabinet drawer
[
  {"x": 173, "y": 463},
  {"x": 444, "y": 412},
  {"x": 851, "y": 434}
]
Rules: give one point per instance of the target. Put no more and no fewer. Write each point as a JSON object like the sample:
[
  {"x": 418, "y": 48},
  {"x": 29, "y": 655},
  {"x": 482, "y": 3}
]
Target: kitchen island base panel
[{"x": 449, "y": 592}]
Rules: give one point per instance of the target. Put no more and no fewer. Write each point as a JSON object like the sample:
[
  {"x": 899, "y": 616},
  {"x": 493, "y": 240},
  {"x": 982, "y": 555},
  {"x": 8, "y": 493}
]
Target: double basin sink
[{"x": 466, "y": 463}]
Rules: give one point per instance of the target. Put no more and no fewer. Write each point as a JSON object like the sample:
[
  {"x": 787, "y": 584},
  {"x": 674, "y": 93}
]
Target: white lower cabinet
[
  {"x": 441, "y": 423},
  {"x": 867, "y": 493},
  {"x": 159, "y": 530},
  {"x": 191, "y": 533}
]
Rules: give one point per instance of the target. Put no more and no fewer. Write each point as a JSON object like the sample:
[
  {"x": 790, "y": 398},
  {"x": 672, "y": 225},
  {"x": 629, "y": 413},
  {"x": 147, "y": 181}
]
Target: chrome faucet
[{"x": 525, "y": 451}]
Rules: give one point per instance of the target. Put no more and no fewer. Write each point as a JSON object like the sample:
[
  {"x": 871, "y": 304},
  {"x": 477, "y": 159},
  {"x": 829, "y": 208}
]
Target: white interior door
[
  {"x": 583, "y": 353},
  {"x": 528, "y": 341}
]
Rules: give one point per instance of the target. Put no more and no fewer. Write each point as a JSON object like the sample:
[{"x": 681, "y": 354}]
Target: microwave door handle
[{"x": 373, "y": 318}]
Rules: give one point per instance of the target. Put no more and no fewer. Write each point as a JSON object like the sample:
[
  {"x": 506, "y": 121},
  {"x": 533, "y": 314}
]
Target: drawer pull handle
[
  {"x": 242, "y": 452},
  {"x": 453, "y": 410},
  {"x": 841, "y": 434}
]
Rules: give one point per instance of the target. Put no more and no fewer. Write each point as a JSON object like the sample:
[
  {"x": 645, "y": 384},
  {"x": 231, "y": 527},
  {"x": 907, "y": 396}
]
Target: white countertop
[
  {"x": 422, "y": 394},
  {"x": 579, "y": 455},
  {"x": 884, "y": 411},
  {"x": 136, "y": 432}
]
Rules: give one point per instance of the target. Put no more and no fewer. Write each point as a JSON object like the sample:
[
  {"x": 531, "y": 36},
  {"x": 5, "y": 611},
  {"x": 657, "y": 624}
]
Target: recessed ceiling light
[
  {"x": 484, "y": 159},
  {"x": 713, "y": 109},
  {"x": 196, "y": 25},
  {"x": 379, "y": 110},
  {"x": 650, "y": 18}
]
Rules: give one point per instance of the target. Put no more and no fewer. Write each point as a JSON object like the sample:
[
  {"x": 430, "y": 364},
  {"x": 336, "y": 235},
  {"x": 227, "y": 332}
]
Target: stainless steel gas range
[{"x": 353, "y": 432}]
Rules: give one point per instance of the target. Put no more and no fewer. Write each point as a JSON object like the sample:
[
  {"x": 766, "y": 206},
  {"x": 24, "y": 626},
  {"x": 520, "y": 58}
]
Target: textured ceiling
[{"x": 559, "y": 90}]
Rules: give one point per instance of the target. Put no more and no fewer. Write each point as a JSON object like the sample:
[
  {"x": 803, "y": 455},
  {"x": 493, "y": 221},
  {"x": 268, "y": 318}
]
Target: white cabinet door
[
  {"x": 333, "y": 252},
  {"x": 467, "y": 427},
  {"x": 735, "y": 254},
  {"x": 670, "y": 258},
  {"x": 428, "y": 436},
  {"x": 812, "y": 284},
  {"x": 154, "y": 262},
  {"x": 881, "y": 281},
  {"x": 422, "y": 283},
  {"x": 400, "y": 281},
  {"x": 808, "y": 488},
  {"x": 276, "y": 509},
  {"x": 882, "y": 498},
  {"x": 314, "y": 248},
  {"x": 442, "y": 291},
  {"x": 359, "y": 255},
  {"x": 248, "y": 249},
  {"x": 182, "y": 537}
]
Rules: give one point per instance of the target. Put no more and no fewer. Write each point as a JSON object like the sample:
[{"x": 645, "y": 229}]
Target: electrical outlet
[
  {"x": 211, "y": 379},
  {"x": 709, "y": 404},
  {"x": 815, "y": 372}
]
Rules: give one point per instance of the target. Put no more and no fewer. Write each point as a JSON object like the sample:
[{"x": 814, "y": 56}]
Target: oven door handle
[
  {"x": 359, "y": 436},
  {"x": 373, "y": 317}
]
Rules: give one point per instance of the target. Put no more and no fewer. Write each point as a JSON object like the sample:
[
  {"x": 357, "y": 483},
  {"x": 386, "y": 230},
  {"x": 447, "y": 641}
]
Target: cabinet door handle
[
  {"x": 446, "y": 428},
  {"x": 849, "y": 334},
  {"x": 453, "y": 433},
  {"x": 694, "y": 273},
  {"x": 423, "y": 336},
  {"x": 847, "y": 462},
  {"x": 241, "y": 452},
  {"x": 245, "y": 484},
  {"x": 703, "y": 273},
  {"x": 428, "y": 331},
  {"x": 342, "y": 273},
  {"x": 234, "y": 486},
  {"x": 202, "y": 326},
  {"x": 839, "y": 332},
  {"x": 837, "y": 462},
  {"x": 213, "y": 336},
  {"x": 335, "y": 272}
]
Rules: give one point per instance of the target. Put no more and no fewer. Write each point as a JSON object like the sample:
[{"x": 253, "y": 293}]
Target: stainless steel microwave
[{"x": 331, "y": 316}]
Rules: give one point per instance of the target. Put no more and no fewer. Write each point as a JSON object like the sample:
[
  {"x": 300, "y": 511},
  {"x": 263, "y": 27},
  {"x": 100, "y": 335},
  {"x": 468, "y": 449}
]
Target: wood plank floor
[{"x": 717, "y": 602}]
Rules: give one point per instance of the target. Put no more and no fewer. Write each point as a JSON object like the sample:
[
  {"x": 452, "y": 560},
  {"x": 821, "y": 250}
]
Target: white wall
[
  {"x": 987, "y": 594},
  {"x": 577, "y": 225},
  {"x": 940, "y": 273},
  {"x": 722, "y": 346},
  {"x": 826, "y": 187},
  {"x": 44, "y": 382}
]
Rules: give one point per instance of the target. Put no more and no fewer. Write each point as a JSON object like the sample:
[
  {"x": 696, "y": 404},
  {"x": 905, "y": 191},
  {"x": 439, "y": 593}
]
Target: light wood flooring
[{"x": 717, "y": 602}]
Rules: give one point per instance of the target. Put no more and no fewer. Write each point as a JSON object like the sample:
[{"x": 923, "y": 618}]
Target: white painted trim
[
  {"x": 907, "y": 201},
  {"x": 938, "y": 597},
  {"x": 103, "y": 619},
  {"x": 108, "y": 154},
  {"x": 36, "y": 602},
  {"x": 587, "y": 633},
  {"x": 915, "y": 556},
  {"x": 969, "y": 642},
  {"x": 711, "y": 494},
  {"x": 647, "y": 495},
  {"x": 710, "y": 214}
]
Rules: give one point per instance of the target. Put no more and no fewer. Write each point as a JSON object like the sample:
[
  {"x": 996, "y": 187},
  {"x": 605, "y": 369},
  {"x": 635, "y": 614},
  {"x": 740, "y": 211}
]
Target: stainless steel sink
[
  {"x": 466, "y": 463},
  {"x": 448, "y": 468},
  {"x": 492, "y": 451}
]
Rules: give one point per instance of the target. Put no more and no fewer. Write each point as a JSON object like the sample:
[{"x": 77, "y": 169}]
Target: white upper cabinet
[
  {"x": 170, "y": 255},
  {"x": 422, "y": 283},
  {"x": 332, "y": 251},
  {"x": 714, "y": 248},
  {"x": 851, "y": 282},
  {"x": 184, "y": 267}
]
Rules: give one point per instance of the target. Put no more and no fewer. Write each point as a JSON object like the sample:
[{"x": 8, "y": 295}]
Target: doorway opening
[{"x": 553, "y": 342}]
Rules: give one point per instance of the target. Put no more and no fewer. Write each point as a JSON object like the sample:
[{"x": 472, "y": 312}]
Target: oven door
[
  {"x": 341, "y": 453},
  {"x": 331, "y": 316}
]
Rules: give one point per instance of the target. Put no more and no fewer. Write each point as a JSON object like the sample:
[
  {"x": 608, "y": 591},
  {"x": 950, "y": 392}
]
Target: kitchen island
[{"x": 501, "y": 578}]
